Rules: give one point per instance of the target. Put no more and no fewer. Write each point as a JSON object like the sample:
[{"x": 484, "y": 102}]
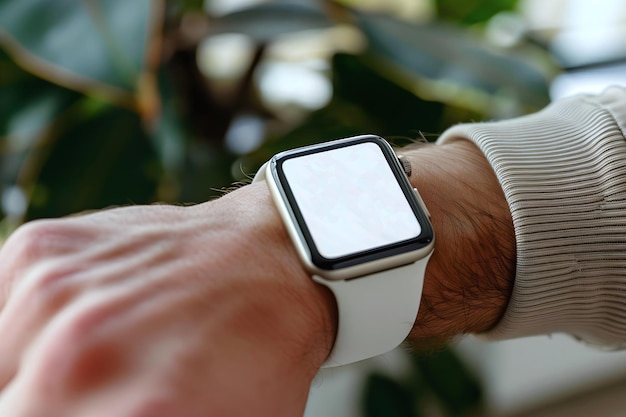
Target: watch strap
[
  {"x": 260, "y": 174},
  {"x": 376, "y": 312}
]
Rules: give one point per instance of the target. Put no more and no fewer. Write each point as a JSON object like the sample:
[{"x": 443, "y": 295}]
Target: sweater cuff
[{"x": 563, "y": 172}]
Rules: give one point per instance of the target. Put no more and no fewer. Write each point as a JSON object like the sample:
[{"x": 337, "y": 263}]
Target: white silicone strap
[{"x": 376, "y": 312}]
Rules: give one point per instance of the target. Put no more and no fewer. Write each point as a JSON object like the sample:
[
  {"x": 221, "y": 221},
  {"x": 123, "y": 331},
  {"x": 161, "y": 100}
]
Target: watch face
[{"x": 351, "y": 202}]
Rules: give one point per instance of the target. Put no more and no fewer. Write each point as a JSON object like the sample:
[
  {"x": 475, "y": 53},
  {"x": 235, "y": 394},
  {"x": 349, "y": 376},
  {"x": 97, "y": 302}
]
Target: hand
[{"x": 160, "y": 311}]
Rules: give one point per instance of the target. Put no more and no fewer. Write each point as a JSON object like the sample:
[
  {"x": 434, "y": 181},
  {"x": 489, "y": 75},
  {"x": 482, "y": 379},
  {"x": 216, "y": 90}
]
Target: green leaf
[
  {"x": 384, "y": 397},
  {"x": 389, "y": 109},
  {"x": 87, "y": 45},
  {"x": 470, "y": 12},
  {"x": 29, "y": 108},
  {"x": 179, "y": 7},
  {"x": 170, "y": 139},
  {"x": 28, "y": 105},
  {"x": 457, "y": 389},
  {"x": 103, "y": 158},
  {"x": 266, "y": 22},
  {"x": 450, "y": 56},
  {"x": 6, "y": 228}
]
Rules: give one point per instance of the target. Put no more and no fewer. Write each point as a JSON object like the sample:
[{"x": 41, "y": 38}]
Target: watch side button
[{"x": 419, "y": 198}]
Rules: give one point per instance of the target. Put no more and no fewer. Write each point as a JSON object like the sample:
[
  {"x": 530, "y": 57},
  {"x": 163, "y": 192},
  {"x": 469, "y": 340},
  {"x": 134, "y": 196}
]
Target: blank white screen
[{"x": 350, "y": 200}]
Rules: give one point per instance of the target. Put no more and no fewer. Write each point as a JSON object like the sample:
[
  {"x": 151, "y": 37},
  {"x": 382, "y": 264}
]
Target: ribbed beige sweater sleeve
[{"x": 563, "y": 172}]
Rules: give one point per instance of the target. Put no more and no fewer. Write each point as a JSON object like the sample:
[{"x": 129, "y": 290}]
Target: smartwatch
[{"x": 361, "y": 230}]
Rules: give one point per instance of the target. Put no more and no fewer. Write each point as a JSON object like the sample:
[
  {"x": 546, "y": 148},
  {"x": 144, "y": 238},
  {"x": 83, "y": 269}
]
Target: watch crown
[{"x": 406, "y": 165}]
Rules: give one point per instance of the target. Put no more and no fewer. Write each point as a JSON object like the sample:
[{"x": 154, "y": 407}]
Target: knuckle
[
  {"x": 28, "y": 260},
  {"x": 35, "y": 254},
  {"x": 36, "y": 239}
]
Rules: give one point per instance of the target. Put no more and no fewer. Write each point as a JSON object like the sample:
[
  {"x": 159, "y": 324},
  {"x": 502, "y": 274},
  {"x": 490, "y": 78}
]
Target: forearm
[
  {"x": 470, "y": 276},
  {"x": 563, "y": 171}
]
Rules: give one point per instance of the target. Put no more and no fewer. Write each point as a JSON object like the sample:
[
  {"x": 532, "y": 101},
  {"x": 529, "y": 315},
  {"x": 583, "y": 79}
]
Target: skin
[{"x": 204, "y": 311}]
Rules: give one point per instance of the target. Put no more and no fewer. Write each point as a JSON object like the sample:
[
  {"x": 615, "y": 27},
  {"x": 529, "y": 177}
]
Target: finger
[
  {"x": 33, "y": 244},
  {"x": 13, "y": 341},
  {"x": 15, "y": 402},
  {"x": 7, "y": 374},
  {"x": 31, "y": 305},
  {"x": 34, "y": 285},
  {"x": 16, "y": 254},
  {"x": 6, "y": 276},
  {"x": 9, "y": 406}
]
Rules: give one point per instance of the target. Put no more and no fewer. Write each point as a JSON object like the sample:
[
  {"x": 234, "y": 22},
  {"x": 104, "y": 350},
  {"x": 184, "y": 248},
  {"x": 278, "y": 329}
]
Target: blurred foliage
[
  {"x": 472, "y": 12},
  {"x": 438, "y": 383},
  {"x": 107, "y": 103},
  {"x": 104, "y": 103}
]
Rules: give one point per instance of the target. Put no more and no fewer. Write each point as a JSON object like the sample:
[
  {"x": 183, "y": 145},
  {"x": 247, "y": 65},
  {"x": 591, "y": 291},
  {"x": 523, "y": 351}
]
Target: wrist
[
  {"x": 300, "y": 312},
  {"x": 470, "y": 276}
]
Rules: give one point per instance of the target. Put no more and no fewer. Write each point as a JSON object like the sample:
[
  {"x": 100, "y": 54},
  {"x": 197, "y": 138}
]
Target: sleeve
[{"x": 563, "y": 172}]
